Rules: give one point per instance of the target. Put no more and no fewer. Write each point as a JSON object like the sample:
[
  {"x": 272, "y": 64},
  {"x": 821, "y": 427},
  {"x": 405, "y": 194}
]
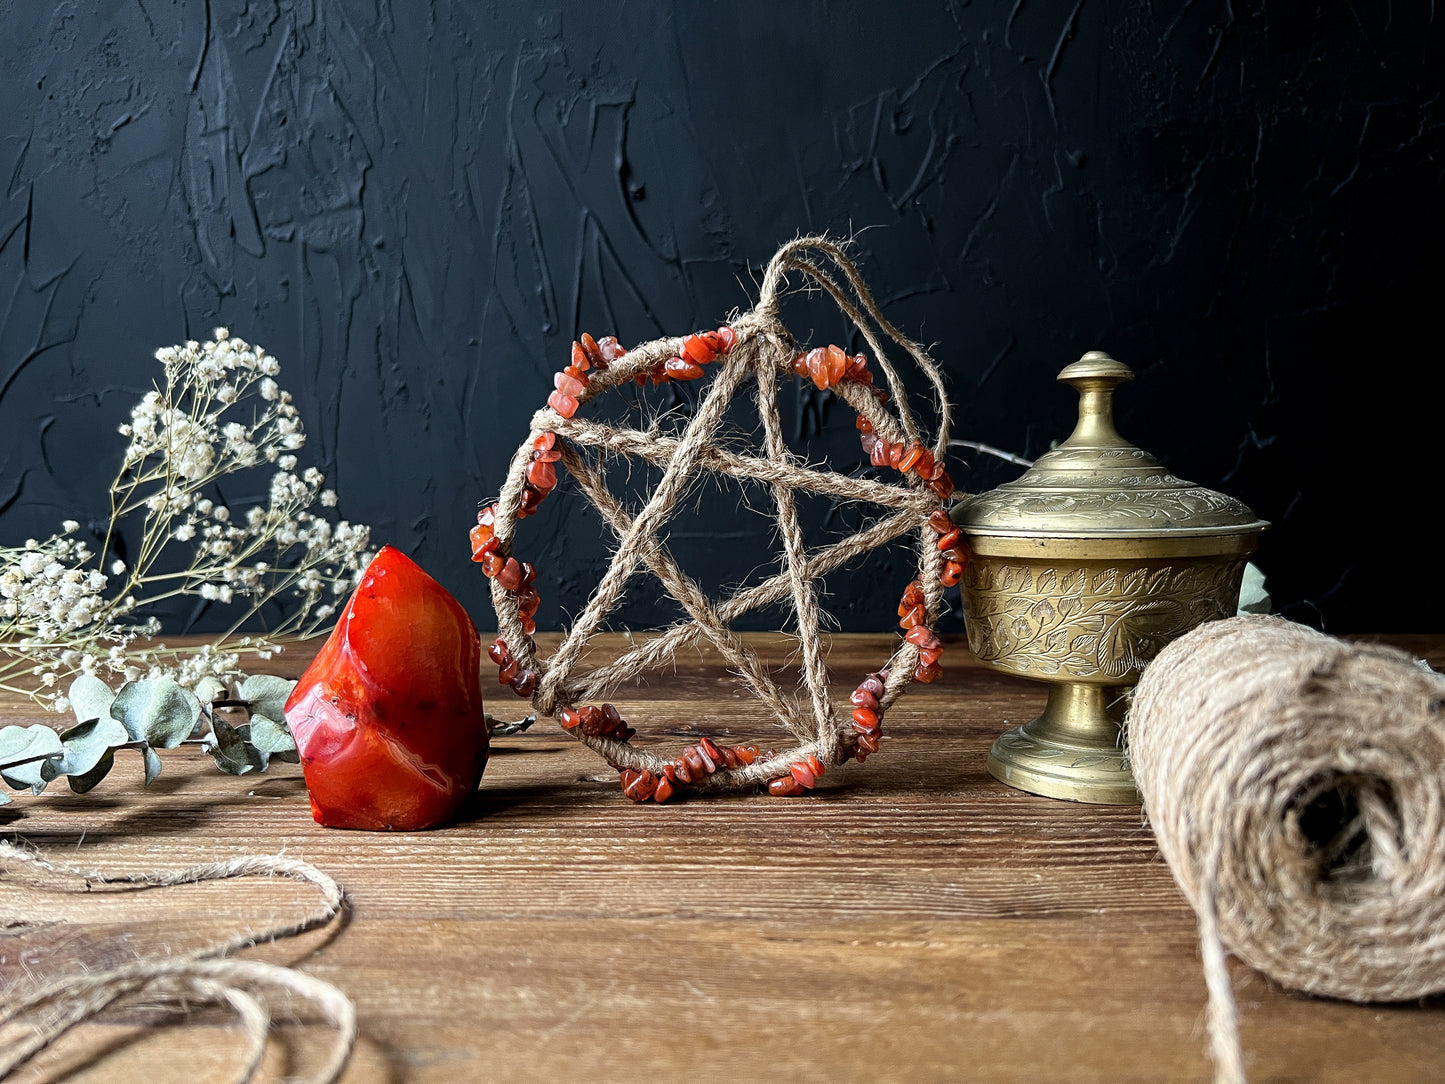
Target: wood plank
[{"x": 912, "y": 919}]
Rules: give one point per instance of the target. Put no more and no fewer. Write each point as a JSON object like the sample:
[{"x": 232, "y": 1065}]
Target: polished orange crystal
[{"x": 388, "y": 718}]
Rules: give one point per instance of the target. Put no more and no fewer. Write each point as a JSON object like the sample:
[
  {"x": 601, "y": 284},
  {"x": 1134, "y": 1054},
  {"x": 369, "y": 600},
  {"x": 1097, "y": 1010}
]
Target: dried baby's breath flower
[{"x": 219, "y": 412}]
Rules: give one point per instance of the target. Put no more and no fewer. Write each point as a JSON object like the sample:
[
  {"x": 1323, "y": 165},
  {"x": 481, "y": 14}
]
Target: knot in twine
[
  {"x": 1296, "y": 784},
  {"x": 207, "y": 974},
  {"x": 763, "y": 352}
]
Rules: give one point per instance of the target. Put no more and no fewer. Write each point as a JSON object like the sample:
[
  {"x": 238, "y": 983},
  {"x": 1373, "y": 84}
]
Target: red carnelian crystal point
[{"x": 388, "y": 718}]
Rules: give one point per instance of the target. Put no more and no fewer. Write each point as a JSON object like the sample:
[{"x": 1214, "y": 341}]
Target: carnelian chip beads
[
  {"x": 951, "y": 544},
  {"x": 596, "y": 721},
  {"x": 509, "y": 672},
  {"x": 904, "y": 458},
  {"x": 571, "y": 383},
  {"x": 912, "y": 613},
  {"x": 867, "y": 702},
  {"x": 913, "y": 610},
  {"x": 828, "y": 365},
  {"x": 697, "y": 350},
  {"x": 692, "y": 765}
]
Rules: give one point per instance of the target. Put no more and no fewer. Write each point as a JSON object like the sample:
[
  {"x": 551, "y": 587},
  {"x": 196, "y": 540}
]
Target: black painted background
[{"x": 417, "y": 205}]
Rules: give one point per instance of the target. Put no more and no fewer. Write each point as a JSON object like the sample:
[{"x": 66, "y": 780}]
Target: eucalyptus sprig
[
  {"x": 159, "y": 713},
  {"x": 146, "y": 715}
]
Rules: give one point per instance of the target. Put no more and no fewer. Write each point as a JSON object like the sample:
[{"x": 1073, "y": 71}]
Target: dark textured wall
[{"x": 417, "y": 205}]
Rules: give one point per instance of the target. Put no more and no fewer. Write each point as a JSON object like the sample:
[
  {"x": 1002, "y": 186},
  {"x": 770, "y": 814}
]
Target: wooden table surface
[{"x": 911, "y": 919}]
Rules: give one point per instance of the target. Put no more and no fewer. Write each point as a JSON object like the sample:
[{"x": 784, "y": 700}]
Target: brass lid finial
[
  {"x": 1097, "y": 484},
  {"x": 1095, "y": 376}
]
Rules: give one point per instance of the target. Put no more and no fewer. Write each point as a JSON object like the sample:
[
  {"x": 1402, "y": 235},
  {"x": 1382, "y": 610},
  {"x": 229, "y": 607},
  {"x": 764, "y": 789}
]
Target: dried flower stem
[{"x": 218, "y": 414}]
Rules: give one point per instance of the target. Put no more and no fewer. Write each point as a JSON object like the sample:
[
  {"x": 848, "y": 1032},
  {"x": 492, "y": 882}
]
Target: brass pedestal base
[{"x": 1072, "y": 751}]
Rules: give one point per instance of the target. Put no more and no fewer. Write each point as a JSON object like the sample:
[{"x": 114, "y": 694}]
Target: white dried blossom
[{"x": 219, "y": 409}]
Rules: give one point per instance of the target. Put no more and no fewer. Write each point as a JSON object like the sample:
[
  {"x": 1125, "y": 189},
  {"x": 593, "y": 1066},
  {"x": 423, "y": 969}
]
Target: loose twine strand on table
[
  {"x": 1296, "y": 784},
  {"x": 208, "y": 973},
  {"x": 764, "y": 348}
]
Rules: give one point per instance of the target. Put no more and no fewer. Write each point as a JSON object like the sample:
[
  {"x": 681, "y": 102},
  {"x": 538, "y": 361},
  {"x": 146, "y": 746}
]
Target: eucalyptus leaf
[
  {"x": 26, "y": 743},
  {"x": 267, "y": 694},
  {"x": 87, "y": 780},
  {"x": 90, "y": 698},
  {"x": 269, "y": 736},
  {"x": 157, "y": 711},
  {"x": 86, "y": 746},
  {"x": 30, "y": 775},
  {"x": 152, "y": 763},
  {"x": 231, "y": 752},
  {"x": 260, "y": 756},
  {"x": 1253, "y": 594}
]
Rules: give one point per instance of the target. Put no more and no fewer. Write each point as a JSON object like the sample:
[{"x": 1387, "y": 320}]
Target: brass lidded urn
[{"x": 1082, "y": 570}]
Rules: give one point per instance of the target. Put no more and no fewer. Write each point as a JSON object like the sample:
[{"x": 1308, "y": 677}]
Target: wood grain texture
[{"x": 910, "y": 920}]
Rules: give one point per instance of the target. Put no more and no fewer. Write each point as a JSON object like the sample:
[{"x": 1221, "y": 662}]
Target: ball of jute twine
[
  {"x": 763, "y": 354},
  {"x": 209, "y": 974},
  {"x": 1296, "y": 784}
]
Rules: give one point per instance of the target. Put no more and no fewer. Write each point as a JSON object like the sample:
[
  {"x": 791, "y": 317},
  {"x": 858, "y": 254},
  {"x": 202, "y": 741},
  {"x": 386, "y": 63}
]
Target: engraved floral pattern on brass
[
  {"x": 1082, "y": 571},
  {"x": 1095, "y": 621}
]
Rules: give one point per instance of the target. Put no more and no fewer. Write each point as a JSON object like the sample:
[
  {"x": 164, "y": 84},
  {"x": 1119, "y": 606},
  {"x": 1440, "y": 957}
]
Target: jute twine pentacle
[
  {"x": 181, "y": 980},
  {"x": 761, "y": 356},
  {"x": 1296, "y": 783}
]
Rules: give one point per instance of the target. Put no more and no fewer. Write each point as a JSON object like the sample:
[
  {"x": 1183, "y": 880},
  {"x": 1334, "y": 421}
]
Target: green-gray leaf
[
  {"x": 230, "y": 750},
  {"x": 152, "y": 763},
  {"x": 1253, "y": 594},
  {"x": 157, "y": 711},
  {"x": 267, "y": 694},
  {"x": 269, "y": 736},
  {"x": 90, "y": 698},
  {"x": 86, "y": 746},
  {"x": 84, "y": 782},
  {"x": 24, "y": 743}
]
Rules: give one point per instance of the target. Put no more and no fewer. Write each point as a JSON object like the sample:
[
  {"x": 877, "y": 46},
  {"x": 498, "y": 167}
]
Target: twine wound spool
[
  {"x": 208, "y": 974},
  {"x": 763, "y": 353},
  {"x": 1296, "y": 784}
]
